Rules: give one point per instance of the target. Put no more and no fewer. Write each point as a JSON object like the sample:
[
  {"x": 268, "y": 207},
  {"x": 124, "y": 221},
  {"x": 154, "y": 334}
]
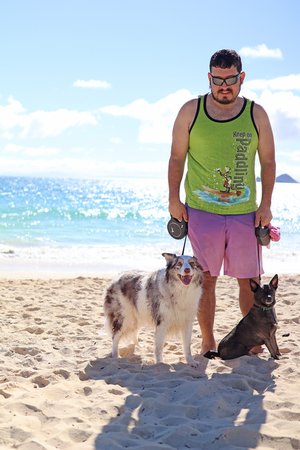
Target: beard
[{"x": 225, "y": 100}]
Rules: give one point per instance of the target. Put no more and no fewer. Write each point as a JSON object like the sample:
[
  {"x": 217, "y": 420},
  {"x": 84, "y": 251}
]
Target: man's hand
[
  {"x": 178, "y": 210},
  {"x": 263, "y": 216}
]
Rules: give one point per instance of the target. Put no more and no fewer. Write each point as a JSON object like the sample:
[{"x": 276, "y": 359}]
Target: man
[{"x": 219, "y": 134}]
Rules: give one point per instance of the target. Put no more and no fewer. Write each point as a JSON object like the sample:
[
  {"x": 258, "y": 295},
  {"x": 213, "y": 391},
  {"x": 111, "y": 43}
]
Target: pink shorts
[{"x": 225, "y": 239}]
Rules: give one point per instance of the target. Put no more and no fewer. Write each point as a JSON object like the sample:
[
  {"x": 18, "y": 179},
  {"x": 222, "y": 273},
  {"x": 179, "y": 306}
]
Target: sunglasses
[{"x": 229, "y": 81}]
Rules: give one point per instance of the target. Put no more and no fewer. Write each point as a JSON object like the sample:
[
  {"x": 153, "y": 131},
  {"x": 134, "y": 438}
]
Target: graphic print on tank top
[{"x": 227, "y": 185}]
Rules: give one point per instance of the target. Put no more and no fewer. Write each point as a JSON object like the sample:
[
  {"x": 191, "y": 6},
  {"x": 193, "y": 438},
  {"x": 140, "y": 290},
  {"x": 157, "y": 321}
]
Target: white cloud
[
  {"x": 156, "y": 118},
  {"x": 286, "y": 83},
  {"x": 10, "y": 114},
  {"x": 92, "y": 84},
  {"x": 41, "y": 124},
  {"x": 261, "y": 51},
  {"x": 14, "y": 119}
]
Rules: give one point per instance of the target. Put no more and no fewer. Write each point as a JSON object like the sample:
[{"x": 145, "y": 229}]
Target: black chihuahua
[{"x": 256, "y": 328}]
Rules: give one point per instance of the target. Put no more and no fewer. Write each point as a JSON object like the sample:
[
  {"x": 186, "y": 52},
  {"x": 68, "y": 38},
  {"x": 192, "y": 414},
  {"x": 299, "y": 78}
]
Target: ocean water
[{"x": 50, "y": 226}]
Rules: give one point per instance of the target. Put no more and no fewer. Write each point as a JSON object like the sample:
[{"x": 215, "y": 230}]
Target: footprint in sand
[
  {"x": 32, "y": 308},
  {"x": 32, "y": 351},
  {"x": 63, "y": 373},
  {"x": 79, "y": 435},
  {"x": 25, "y": 373},
  {"x": 115, "y": 392},
  {"x": 40, "y": 381},
  {"x": 87, "y": 391},
  {"x": 34, "y": 330},
  {"x": 4, "y": 394}
]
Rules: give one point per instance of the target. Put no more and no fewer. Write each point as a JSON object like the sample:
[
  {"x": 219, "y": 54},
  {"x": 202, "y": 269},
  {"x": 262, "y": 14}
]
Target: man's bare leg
[
  {"x": 246, "y": 300},
  {"x": 206, "y": 312}
]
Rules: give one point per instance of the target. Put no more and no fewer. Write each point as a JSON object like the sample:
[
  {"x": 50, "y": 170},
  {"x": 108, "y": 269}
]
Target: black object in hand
[
  {"x": 262, "y": 235},
  {"x": 177, "y": 229}
]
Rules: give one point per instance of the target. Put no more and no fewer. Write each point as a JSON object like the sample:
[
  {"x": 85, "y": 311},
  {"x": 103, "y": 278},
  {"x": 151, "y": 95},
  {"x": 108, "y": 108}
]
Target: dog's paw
[
  {"x": 211, "y": 354},
  {"x": 193, "y": 363}
]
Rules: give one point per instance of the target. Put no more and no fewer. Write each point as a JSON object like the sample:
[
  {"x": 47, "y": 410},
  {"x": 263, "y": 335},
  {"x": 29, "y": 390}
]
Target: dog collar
[{"x": 264, "y": 308}]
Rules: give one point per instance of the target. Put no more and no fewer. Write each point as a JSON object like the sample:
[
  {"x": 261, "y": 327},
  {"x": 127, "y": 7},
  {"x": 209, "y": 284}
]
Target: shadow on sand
[{"x": 219, "y": 405}]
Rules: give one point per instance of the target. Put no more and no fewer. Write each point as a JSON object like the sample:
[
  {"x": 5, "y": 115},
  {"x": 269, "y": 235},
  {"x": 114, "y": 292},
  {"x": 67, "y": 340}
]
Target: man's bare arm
[
  {"x": 180, "y": 146},
  {"x": 266, "y": 152}
]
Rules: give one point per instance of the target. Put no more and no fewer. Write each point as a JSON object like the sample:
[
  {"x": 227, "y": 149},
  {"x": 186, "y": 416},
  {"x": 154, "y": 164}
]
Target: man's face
[{"x": 225, "y": 84}]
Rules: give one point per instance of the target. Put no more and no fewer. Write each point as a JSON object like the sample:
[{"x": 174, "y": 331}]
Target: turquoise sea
[{"x": 101, "y": 226}]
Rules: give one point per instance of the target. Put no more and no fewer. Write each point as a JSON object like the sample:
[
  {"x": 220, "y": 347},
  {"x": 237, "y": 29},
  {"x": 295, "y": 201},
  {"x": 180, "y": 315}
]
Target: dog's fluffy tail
[{"x": 211, "y": 354}]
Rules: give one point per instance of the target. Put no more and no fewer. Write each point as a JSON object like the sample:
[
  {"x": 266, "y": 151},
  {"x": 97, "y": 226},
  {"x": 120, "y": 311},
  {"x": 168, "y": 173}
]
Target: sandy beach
[{"x": 59, "y": 388}]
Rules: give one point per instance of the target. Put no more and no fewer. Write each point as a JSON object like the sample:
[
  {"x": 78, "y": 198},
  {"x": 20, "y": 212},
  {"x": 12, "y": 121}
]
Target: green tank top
[{"x": 220, "y": 164}]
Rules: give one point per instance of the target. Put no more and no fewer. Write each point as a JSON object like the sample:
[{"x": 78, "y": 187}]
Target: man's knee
[{"x": 209, "y": 282}]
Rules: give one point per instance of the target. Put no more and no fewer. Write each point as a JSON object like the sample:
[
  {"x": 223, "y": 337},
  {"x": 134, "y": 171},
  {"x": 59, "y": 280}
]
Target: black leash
[
  {"x": 182, "y": 253},
  {"x": 259, "y": 274}
]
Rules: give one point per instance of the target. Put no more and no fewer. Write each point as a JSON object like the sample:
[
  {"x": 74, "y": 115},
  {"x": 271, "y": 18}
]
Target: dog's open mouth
[{"x": 185, "y": 279}]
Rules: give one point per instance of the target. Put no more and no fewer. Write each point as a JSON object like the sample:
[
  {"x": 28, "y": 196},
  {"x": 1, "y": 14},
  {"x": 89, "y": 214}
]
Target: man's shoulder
[
  {"x": 189, "y": 107},
  {"x": 191, "y": 103},
  {"x": 259, "y": 112}
]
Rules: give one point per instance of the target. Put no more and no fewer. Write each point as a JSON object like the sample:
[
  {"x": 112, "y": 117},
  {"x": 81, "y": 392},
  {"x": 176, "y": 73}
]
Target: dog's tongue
[{"x": 186, "y": 279}]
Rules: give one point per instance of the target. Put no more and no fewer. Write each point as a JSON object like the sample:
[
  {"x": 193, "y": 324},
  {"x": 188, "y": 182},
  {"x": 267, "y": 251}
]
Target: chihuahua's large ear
[
  {"x": 254, "y": 286},
  {"x": 274, "y": 282}
]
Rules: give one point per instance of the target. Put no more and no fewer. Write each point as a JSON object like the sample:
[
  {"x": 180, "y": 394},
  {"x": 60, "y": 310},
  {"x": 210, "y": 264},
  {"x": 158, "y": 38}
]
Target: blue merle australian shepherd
[{"x": 167, "y": 300}]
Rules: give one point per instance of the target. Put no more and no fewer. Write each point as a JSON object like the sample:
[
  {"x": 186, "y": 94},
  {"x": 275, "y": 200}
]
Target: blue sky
[{"x": 91, "y": 88}]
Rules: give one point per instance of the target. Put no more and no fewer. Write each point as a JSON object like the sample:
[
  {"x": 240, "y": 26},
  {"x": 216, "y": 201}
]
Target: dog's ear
[
  {"x": 169, "y": 256},
  {"x": 197, "y": 262},
  {"x": 254, "y": 286},
  {"x": 274, "y": 282}
]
